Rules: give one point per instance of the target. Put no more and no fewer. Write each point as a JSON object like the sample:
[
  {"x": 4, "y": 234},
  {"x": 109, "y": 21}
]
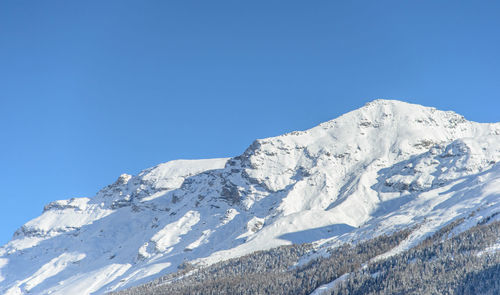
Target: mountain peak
[
  {"x": 385, "y": 166},
  {"x": 383, "y": 101}
]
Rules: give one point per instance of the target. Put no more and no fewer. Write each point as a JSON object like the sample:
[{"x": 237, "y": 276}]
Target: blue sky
[{"x": 93, "y": 89}]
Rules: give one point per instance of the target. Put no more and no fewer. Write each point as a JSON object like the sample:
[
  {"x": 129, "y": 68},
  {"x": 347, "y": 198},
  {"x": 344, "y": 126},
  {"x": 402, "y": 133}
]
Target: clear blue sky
[{"x": 93, "y": 89}]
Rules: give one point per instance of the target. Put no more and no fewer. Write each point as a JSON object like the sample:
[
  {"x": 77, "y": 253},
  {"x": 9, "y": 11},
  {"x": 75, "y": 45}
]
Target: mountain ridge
[{"x": 377, "y": 169}]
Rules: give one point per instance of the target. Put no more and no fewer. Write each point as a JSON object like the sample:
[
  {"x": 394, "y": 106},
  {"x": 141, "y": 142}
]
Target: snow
[
  {"x": 490, "y": 250},
  {"x": 89, "y": 282},
  {"x": 141, "y": 274},
  {"x": 170, "y": 234},
  {"x": 323, "y": 289},
  {"x": 3, "y": 262},
  {"x": 384, "y": 167},
  {"x": 51, "y": 268}
]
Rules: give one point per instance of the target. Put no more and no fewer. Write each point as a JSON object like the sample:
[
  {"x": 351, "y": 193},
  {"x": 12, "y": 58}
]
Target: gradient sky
[{"x": 93, "y": 89}]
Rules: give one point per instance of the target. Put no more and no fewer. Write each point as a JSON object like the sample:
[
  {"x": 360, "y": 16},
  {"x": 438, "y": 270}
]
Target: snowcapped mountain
[{"x": 386, "y": 166}]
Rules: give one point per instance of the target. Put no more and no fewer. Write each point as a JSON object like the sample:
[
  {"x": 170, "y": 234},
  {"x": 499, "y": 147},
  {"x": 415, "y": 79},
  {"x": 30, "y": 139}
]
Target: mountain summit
[{"x": 387, "y": 166}]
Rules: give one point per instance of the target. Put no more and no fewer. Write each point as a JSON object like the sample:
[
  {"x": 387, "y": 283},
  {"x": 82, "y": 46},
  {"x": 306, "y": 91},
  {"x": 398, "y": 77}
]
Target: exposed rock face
[{"x": 386, "y": 166}]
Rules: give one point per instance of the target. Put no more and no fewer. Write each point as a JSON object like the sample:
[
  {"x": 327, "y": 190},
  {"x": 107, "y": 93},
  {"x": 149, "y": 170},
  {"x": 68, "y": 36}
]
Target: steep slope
[{"x": 384, "y": 167}]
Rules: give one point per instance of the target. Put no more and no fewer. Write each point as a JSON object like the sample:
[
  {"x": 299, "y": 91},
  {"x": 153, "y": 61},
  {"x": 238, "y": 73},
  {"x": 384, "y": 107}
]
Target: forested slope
[{"x": 444, "y": 263}]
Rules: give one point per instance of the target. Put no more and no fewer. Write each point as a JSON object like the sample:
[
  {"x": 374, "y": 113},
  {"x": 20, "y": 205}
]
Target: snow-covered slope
[{"x": 380, "y": 168}]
